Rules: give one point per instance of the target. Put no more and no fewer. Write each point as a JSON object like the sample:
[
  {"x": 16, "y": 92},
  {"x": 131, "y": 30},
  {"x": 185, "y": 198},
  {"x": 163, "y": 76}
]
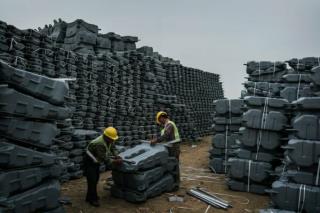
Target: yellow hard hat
[
  {"x": 159, "y": 114},
  {"x": 111, "y": 132}
]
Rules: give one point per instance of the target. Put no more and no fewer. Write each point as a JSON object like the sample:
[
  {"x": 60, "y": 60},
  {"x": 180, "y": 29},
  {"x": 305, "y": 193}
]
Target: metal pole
[
  {"x": 208, "y": 199},
  {"x": 214, "y": 196},
  {"x": 211, "y": 198}
]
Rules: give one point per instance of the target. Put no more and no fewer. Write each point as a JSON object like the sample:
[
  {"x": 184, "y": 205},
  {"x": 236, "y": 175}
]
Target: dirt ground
[{"x": 194, "y": 172}]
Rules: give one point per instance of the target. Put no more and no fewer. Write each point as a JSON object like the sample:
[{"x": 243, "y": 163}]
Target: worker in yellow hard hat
[
  {"x": 99, "y": 150},
  {"x": 169, "y": 133}
]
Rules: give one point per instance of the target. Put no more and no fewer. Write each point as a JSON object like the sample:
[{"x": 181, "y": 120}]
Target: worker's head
[
  {"x": 161, "y": 117},
  {"x": 110, "y": 135}
]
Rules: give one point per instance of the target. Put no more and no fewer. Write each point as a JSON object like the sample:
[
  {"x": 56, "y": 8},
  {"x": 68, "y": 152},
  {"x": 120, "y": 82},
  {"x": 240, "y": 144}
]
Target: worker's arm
[
  {"x": 114, "y": 157},
  {"x": 100, "y": 153},
  {"x": 168, "y": 134},
  {"x": 113, "y": 150}
]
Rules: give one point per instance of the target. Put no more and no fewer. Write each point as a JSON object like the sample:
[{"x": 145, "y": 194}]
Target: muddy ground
[{"x": 194, "y": 171}]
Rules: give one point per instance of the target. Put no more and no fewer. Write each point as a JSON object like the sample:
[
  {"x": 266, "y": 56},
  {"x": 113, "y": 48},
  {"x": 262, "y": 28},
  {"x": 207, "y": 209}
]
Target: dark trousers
[
  {"x": 174, "y": 151},
  {"x": 92, "y": 173}
]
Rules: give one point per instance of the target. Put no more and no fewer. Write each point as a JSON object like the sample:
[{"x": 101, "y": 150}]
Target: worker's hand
[
  {"x": 153, "y": 141},
  {"x": 117, "y": 161}
]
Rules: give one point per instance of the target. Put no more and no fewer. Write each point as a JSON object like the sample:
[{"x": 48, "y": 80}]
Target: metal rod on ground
[
  {"x": 216, "y": 199},
  {"x": 214, "y": 196},
  {"x": 210, "y": 200},
  {"x": 210, "y": 196},
  {"x": 203, "y": 199},
  {"x": 222, "y": 204}
]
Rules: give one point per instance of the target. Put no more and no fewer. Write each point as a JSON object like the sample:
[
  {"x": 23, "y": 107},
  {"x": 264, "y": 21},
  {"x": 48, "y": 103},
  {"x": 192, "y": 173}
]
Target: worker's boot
[{"x": 94, "y": 203}]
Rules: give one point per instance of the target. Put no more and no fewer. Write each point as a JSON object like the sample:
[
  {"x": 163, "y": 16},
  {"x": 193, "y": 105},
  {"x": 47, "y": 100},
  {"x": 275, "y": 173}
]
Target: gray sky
[{"x": 216, "y": 36}]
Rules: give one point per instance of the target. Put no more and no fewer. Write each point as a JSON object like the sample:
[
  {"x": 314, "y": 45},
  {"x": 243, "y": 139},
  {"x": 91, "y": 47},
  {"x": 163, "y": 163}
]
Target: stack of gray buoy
[
  {"x": 263, "y": 125},
  {"x": 264, "y": 77},
  {"x": 298, "y": 189},
  {"x": 147, "y": 171},
  {"x": 111, "y": 83},
  {"x": 282, "y": 114},
  {"x": 227, "y": 121},
  {"x": 31, "y": 105}
]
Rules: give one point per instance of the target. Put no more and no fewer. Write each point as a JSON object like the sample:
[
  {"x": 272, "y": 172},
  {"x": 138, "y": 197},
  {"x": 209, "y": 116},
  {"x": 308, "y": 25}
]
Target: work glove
[{"x": 117, "y": 161}]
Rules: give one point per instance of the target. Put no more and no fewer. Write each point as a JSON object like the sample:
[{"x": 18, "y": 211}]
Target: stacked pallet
[
  {"x": 249, "y": 165},
  {"x": 227, "y": 122},
  {"x": 297, "y": 188},
  {"x": 30, "y": 106},
  {"x": 263, "y": 126},
  {"x": 110, "y": 84},
  {"x": 183, "y": 87},
  {"x": 148, "y": 171},
  {"x": 197, "y": 90},
  {"x": 275, "y": 80},
  {"x": 280, "y": 123},
  {"x": 84, "y": 38}
]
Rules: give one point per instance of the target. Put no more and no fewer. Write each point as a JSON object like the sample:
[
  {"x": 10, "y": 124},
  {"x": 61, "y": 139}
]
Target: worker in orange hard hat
[{"x": 99, "y": 150}]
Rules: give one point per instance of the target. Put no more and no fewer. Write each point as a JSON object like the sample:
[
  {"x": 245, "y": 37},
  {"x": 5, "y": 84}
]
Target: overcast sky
[{"x": 216, "y": 36}]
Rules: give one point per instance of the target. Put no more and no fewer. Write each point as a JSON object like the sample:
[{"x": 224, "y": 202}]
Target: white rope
[
  {"x": 73, "y": 54},
  {"x": 301, "y": 200},
  {"x": 226, "y": 138},
  {"x": 249, "y": 174},
  {"x": 266, "y": 113},
  {"x": 230, "y": 113},
  {"x": 254, "y": 89},
  {"x": 259, "y": 71},
  {"x": 110, "y": 103},
  {"x": 48, "y": 52},
  {"x": 213, "y": 170},
  {"x": 318, "y": 173},
  {"x": 298, "y": 64},
  {"x": 207, "y": 209},
  {"x": 131, "y": 109},
  {"x": 263, "y": 124},
  {"x": 62, "y": 64},
  {"x": 226, "y": 150},
  {"x": 298, "y": 90},
  {"x": 284, "y": 168},
  {"x": 11, "y": 43},
  {"x": 22, "y": 60},
  {"x": 269, "y": 90},
  {"x": 258, "y": 143},
  {"x": 45, "y": 51},
  {"x": 274, "y": 69}
]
